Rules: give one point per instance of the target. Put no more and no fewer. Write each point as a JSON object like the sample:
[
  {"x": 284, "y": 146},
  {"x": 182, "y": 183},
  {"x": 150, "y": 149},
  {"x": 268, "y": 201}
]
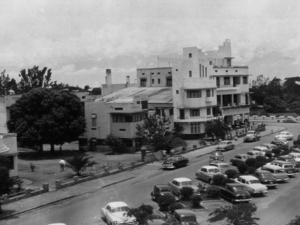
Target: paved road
[{"x": 277, "y": 208}]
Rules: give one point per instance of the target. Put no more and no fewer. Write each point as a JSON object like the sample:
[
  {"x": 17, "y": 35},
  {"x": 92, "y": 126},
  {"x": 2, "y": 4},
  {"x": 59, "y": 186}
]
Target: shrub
[
  {"x": 116, "y": 144},
  {"x": 227, "y": 181},
  {"x": 186, "y": 192},
  {"x": 261, "y": 158},
  {"x": 218, "y": 179},
  {"x": 251, "y": 170},
  {"x": 165, "y": 201},
  {"x": 296, "y": 143},
  {"x": 242, "y": 167},
  {"x": 250, "y": 162},
  {"x": 236, "y": 162},
  {"x": 276, "y": 151},
  {"x": 202, "y": 142},
  {"x": 269, "y": 154},
  {"x": 202, "y": 186},
  {"x": 283, "y": 148},
  {"x": 175, "y": 206},
  {"x": 231, "y": 173},
  {"x": 213, "y": 192},
  {"x": 194, "y": 146},
  {"x": 196, "y": 200}
]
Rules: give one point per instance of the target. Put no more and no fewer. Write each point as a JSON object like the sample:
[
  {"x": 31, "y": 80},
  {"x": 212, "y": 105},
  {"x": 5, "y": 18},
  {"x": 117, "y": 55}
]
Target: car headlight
[{"x": 115, "y": 222}]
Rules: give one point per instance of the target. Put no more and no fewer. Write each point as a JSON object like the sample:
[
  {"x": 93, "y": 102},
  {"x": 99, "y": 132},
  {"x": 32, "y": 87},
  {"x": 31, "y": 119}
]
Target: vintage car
[
  {"x": 223, "y": 166},
  {"x": 184, "y": 216},
  {"x": 296, "y": 156},
  {"x": 252, "y": 184},
  {"x": 269, "y": 146},
  {"x": 206, "y": 173},
  {"x": 262, "y": 149},
  {"x": 289, "y": 121},
  {"x": 295, "y": 149},
  {"x": 238, "y": 157},
  {"x": 251, "y": 137},
  {"x": 174, "y": 162},
  {"x": 235, "y": 193},
  {"x": 254, "y": 154},
  {"x": 266, "y": 178},
  {"x": 216, "y": 156},
  {"x": 178, "y": 183},
  {"x": 285, "y": 134},
  {"x": 291, "y": 159},
  {"x": 280, "y": 142},
  {"x": 289, "y": 168},
  {"x": 278, "y": 172},
  {"x": 116, "y": 213},
  {"x": 161, "y": 190},
  {"x": 225, "y": 146},
  {"x": 250, "y": 132}
]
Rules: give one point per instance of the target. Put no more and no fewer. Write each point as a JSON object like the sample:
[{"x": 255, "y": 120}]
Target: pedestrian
[
  {"x": 164, "y": 153},
  {"x": 62, "y": 164}
]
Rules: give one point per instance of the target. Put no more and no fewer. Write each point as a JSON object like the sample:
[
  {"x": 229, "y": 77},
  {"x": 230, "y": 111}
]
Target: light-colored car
[
  {"x": 252, "y": 184},
  {"x": 278, "y": 172},
  {"x": 295, "y": 155},
  {"x": 282, "y": 139},
  {"x": 116, "y": 213},
  {"x": 206, "y": 173},
  {"x": 251, "y": 137},
  {"x": 225, "y": 146},
  {"x": 178, "y": 183},
  {"x": 269, "y": 146},
  {"x": 254, "y": 154},
  {"x": 251, "y": 132},
  {"x": 262, "y": 149},
  {"x": 289, "y": 121},
  {"x": 285, "y": 134},
  {"x": 223, "y": 166},
  {"x": 184, "y": 216}
]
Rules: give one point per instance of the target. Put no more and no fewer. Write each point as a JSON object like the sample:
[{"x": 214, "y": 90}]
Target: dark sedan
[
  {"x": 174, "y": 162},
  {"x": 266, "y": 178},
  {"x": 251, "y": 138},
  {"x": 160, "y": 190},
  {"x": 235, "y": 193}
]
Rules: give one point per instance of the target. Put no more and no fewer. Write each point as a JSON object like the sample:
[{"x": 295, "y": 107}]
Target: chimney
[
  {"x": 127, "y": 79},
  {"x": 108, "y": 77}
]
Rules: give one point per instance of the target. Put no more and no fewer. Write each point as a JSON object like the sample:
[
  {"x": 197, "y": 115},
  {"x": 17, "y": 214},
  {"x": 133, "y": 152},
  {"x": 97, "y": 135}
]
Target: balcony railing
[{"x": 209, "y": 99}]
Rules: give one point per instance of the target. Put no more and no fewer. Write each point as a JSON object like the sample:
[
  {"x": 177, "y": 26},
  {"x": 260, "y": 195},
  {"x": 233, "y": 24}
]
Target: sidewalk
[{"x": 51, "y": 197}]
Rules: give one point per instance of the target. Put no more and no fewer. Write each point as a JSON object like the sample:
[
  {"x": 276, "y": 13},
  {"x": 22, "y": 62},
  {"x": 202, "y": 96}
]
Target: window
[
  {"x": 176, "y": 69},
  {"x": 94, "y": 122},
  {"x": 236, "y": 71},
  {"x": 216, "y": 71},
  {"x": 83, "y": 97},
  {"x": 169, "y": 82},
  {"x": 190, "y": 73},
  {"x": 158, "y": 73},
  {"x": 245, "y": 80},
  {"x": 190, "y": 55},
  {"x": 212, "y": 93},
  {"x": 152, "y": 73},
  {"x": 171, "y": 112},
  {"x": 120, "y": 109},
  {"x": 226, "y": 71},
  {"x": 210, "y": 62},
  {"x": 205, "y": 71},
  {"x": 170, "y": 72},
  {"x": 194, "y": 94},
  {"x": 208, "y": 111},
  {"x": 143, "y": 82},
  {"x": 194, "y": 112},
  {"x": 152, "y": 81},
  {"x": 144, "y": 104},
  {"x": 122, "y": 129},
  {"x": 195, "y": 128},
  {"x": 143, "y": 73},
  {"x": 226, "y": 80},
  {"x": 118, "y": 118},
  {"x": 158, "y": 81},
  {"x": 138, "y": 102},
  {"x": 177, "y": 92},
  {"x": 200, "y": 69},
  {"x": 208, "y": 93}
]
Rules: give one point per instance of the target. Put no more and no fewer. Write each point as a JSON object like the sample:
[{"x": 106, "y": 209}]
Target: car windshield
[
  {"x": 254, "y": 181},
  {"x": 188, "y": 219},
  {"x": 223, "y": 143},
  {"x": 186, "y": 183},
  {"x": 165, "y": 190},
  {"x": 239, "y": 188},
  {"x": 173, "y": 158},
  {"x": 120, "y": 209},
  {"x": 213, "y": 170},
  {"x": 289, "y": 166}
]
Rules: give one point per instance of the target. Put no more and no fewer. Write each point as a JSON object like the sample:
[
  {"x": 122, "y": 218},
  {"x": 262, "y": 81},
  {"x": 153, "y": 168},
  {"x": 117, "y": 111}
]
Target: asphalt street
[{"x": 278, "y": 207}]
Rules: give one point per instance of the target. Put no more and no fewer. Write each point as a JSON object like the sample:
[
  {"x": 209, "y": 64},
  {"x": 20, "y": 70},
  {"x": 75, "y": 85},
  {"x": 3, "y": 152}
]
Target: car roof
[
  {"x": 210, "y": 167},
  {"x": 282, "y": 162},
  {"x": 285, "y": 156},
  {"x": 162, "y": 186},
  {"x": 220, "y": 163},
  {"x": 181, "y": 179},
  {"x": 264, "y": 147},
  {"x": 117, "y": 204},
  {"x": 262, "y": 171},
  {"x": 185, "y": 212},
  {"x": 269, "y": 144},
  {"x": 234, "y": 185},
  {"x": 294, "y": 153},
  {"x": 254, "y": 151},
  {"x": 242, "y": 155},
  {"x": 272, "y": 167},
  {"x": 249, "y": 177}
]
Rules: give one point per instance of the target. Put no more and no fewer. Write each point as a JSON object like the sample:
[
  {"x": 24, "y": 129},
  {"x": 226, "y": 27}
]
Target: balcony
[
  {"x": 234, "y": 105},
  {"x": 209, "y": 99},
  {"x": 194, "y": 119}
]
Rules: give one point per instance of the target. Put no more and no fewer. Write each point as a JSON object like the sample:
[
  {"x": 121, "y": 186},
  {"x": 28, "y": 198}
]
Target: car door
[
  {"x": 203, "y": 174},
  {"x": 180, "y": 161},
  {"x": 156, "y": 193}
]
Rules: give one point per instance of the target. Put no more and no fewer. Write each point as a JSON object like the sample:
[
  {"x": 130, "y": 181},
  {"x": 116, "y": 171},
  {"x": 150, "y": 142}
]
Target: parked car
[
  {"x": 174, "y": 162},
  {"x": 291, "y": 159},
  {"x": 289, "y": 121},
  {"x": 116, "y": 213},
  {"x": 280, "y": 142},
  {"x": 251, "y": 138},
  {"x": 225, "y": 146},
  {"x": 278, "y": 172},
  {"x": 296, "y": 156},
  {"x": 253, "y": 132},
  {"x": 269, "y": 146},
  {"x": 285, "y": 134},
  {"x": 206, "y": 173},
  {"x": 254, "y": 154},
  {"x": 266, "y": 178},
  {"x": 262, "y": 149},
  {"x": 223, "y": 166},
  {"x": 239, "y": 157},
  {"x": 161, "y": 190},
  {"x": 295, "y": 149},
  {"x": 184, "y": 216},
  {"x": 235, "y": 193},
  {"x": 252, "y": 184},
  {"x": 289, "y": 168},
  {"x": 178, "y": 183}
]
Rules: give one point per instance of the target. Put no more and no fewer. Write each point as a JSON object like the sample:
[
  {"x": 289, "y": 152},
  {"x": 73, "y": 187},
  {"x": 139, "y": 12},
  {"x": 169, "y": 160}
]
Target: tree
[
  {"x": 44, "y": 116},
  {"x": 295, "y": 221},
  {"x": 274, "y": 104},
  {"x": 155, "y": 131},
  {"x": 6, "y": 183},
  {"x": 115, "y": 143},
  {"x": 4, "y": 83},
  {"x": 241, "y": 214},
  {"x": 290, "y": 87},
  {"x": 142, "y": 214},
  {"x": 79, "y": 163},
  {"x": 274, "y": 88},
  {"x": 259, "y": 93},
  {"x": 34, "y": 78},
  {"x": 216, "y": 128}
]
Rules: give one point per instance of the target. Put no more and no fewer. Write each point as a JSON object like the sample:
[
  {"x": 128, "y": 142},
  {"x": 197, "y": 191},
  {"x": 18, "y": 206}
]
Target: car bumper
[
  {"x": 260, "y": 192},
  {"x": 282, "y": 179},
  {"x": 292, "y": 174},
  {"x": 168, "y": 166},
  {"x": 242, "y": 200}
]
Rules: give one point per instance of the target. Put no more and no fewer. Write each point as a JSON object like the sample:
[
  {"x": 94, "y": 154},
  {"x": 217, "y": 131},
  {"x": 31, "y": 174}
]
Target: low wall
[{"x": 278, "y": 119}]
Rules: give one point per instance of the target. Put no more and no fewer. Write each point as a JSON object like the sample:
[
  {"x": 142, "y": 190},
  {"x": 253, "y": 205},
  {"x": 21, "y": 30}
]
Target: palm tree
[{"x": 79, "y": 163}]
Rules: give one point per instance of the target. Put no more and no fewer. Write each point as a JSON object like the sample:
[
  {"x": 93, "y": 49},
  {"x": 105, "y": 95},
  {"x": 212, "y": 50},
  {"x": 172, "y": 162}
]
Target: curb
[{"x": 62, "y": 199}]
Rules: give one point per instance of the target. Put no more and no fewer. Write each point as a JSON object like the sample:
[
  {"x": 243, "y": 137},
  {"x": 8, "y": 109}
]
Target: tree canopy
[
  {"x": 216, "y": 128},
  {"x": 44, "y": 116},
  {"x": 6, "y": 183}
]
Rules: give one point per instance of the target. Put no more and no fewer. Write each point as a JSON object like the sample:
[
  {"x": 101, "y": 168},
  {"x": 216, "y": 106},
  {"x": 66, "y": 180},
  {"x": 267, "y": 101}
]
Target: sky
[{"x": 79, "y": 40}]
